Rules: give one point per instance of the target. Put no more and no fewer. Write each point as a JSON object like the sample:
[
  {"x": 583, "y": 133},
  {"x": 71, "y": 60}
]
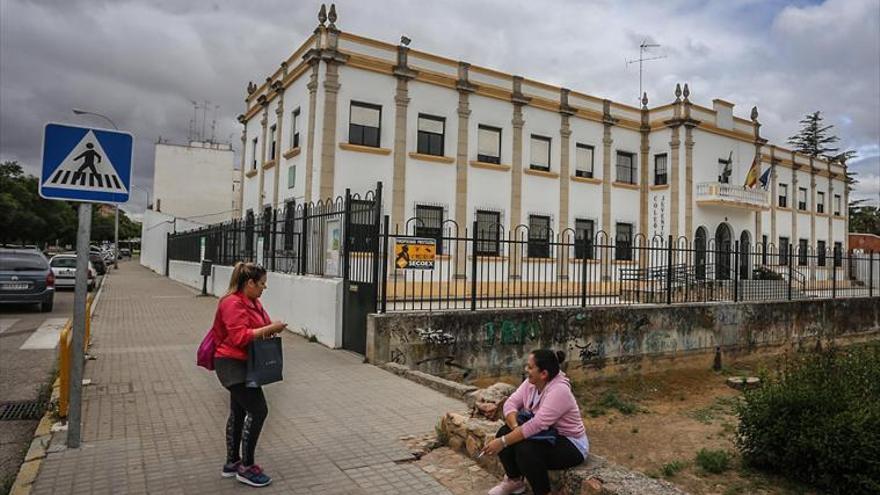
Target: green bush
[
  {"x": 764, "y": 273},
  {"x": 611, "y": 400},
  {"x": 713, "y": 461},
  {"x": 672, "y": 468},
  {"x": 818, "y": 420}
]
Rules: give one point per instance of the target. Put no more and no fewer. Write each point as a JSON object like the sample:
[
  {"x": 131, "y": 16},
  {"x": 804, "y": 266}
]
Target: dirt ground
[{"x": 657, "y": 423}]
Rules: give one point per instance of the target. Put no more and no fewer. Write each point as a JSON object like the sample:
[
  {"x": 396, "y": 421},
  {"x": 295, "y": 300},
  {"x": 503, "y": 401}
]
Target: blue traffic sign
[{"x": 86, "y": 164}]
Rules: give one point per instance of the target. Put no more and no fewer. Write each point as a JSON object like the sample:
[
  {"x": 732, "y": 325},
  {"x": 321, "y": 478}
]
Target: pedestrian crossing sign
[{"x": 86, "y": 164}]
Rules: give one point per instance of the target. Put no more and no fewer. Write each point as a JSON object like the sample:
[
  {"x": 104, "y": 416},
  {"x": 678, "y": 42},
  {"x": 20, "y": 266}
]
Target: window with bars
[
  {"x": 837, "y": 204},
  {"x": 820, "y": 253},
  {"x": 783, "y": 250},
  {"x": 272, "y": 142},
  {"x": 660, "y": 178},
  {"x": 583, "y": 160},
  {"x": 623, "y": 242},
  {"x": 539, "y": 236},
  {"x": 488, "y": 233},
  {"x": 802, "y": 252},
  {"x": 764, "y": 250},
  {"x": 838, "y": 254},
  {"x": 540, "y": 153},
  {"x": 431, "y": 135},
  {"x": 783, "y": 195},
  {"x": 488, "y": 144},
  {"x": 429, "y": 223},
  {"x": 820, "y": 202},
  {"x": 363, "y": 225},
  {"x": 364, "y": 126},
  {"x": 254, "y": 154},
  {"x": 626, "y": 167},
  {"x": 584, "y": 233},
  {"x": 802, "y": 198},
  {"x": 294, "y": 129},
  {"x": 289, "y": 223},
  {"x": 249, "y": 234}
]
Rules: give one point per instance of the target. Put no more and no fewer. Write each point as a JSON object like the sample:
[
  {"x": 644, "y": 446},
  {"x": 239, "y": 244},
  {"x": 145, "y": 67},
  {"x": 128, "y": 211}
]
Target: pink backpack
[{"x": 205, "y": 354}]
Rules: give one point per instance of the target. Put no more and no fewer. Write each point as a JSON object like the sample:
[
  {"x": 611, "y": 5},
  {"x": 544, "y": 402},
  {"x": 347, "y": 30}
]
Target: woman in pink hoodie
[{"x": 543, "y": 429}]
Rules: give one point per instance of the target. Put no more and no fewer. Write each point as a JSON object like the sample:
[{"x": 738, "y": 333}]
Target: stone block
[
  {"x": 456, "y": 443},
  {"x": 474, "y": 445}
]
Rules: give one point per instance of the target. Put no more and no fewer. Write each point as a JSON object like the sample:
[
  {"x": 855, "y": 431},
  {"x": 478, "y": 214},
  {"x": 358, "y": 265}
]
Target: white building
[
  {"x": 195, "y": 182},
  {"x": 457, "y": 142}
]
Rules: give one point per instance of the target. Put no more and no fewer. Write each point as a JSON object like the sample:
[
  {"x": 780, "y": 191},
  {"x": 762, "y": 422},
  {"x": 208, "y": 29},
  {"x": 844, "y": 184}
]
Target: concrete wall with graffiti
[{"x": 464, "y": 345}]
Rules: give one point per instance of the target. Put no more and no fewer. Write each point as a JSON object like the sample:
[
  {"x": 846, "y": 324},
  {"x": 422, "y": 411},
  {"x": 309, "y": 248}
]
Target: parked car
[
  {"x": 124, "y": 253},
  {"x": 98, "y": 263},
  {"x": 25, "y": 277},
  {"x": 64, "y": 267}
]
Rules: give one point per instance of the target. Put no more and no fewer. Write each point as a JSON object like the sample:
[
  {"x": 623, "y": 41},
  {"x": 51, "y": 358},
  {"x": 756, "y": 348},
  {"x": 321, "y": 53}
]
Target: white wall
[
  {"x": 194, "y": 181},
  {"x": 154, "y": 231},
  {"x": 309, "y": 305}
]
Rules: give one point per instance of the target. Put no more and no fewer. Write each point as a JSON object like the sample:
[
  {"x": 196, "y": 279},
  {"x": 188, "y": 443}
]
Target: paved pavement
[{"x": 154, "y": 422}]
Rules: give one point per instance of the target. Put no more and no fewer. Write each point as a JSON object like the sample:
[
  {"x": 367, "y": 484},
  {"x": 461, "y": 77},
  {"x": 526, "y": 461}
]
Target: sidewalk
[{"x": 154, "y": 422}]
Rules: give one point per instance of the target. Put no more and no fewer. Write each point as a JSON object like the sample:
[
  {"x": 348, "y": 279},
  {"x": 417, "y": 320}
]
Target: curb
[
  {"x": 446, "y": 387},
  {"x": 44, "y": 434}
]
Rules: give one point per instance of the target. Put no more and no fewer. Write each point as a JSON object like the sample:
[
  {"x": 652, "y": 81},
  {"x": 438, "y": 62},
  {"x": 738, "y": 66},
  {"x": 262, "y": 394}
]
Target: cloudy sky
[{"x": 143, "y": 62}]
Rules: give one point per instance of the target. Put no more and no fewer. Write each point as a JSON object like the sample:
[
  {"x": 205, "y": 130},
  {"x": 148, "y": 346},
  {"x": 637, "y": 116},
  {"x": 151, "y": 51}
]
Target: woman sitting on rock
[{"x": 543, "y": 429}]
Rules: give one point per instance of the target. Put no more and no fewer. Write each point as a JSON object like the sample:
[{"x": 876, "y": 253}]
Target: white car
[{"x": 64, "y": 268}]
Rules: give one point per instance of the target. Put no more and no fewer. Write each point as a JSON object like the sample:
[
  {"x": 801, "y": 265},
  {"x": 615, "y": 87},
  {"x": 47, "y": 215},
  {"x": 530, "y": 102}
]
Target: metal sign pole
[
  {"x": 83, "y": 235},
  {"x": 116, "y": 238}
]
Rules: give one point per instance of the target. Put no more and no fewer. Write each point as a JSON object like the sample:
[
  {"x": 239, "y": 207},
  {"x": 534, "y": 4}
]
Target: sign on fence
[{"x": 415, "y": 253}]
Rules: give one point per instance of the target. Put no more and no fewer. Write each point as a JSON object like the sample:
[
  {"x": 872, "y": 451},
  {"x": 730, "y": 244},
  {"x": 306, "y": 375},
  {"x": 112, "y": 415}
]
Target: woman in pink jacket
[{"x": 543, "y": 429}]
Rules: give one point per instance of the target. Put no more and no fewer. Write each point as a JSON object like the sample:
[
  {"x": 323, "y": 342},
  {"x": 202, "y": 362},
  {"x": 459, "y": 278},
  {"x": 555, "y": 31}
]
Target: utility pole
[{"x": 643, "y": 49}]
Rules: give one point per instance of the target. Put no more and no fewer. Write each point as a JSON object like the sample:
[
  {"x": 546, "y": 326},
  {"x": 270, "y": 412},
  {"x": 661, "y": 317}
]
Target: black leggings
[
  {"x": 247, "y": 412},
  {"x": 532, "y": 459}
]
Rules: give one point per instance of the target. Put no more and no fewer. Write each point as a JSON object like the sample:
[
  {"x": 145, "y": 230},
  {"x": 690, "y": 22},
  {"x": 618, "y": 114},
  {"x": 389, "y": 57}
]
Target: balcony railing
[{"x": 717, "y": 193}]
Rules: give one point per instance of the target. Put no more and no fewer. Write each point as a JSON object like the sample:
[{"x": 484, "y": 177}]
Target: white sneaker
[{"x": 509, "y": 487}]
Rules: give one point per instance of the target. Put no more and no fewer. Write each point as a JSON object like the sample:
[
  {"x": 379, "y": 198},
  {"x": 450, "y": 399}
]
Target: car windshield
[
  {"x": 64, "y": 263},
  {"x": 22, "y": 262}
]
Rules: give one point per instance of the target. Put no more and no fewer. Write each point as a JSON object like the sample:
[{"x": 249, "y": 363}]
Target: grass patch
[
  {"x": 672, "y": 468},
  {"x": 722, "y": 406},
  {"x": 713, "y": 461},
  {"x": 610, "y": 400},
  {"x": 442, "y": 436}
]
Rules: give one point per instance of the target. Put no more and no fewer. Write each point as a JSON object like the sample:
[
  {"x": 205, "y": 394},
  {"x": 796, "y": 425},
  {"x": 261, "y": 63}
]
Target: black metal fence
[
  {"x": 302, "y": 239},
  {"x": 519, "y": 268}
]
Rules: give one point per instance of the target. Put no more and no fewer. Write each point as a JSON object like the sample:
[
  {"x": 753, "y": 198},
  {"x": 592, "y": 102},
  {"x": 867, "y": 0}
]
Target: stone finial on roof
[
  {"x": 332, "y": 16},
  {"x": 645, "y": 100},
  {"x": 322, "y": 14},
  {"x": 754, "y": 114},
  {"x": 241, "y": 119},
  {"x": 686, "y": 92},
  {"x": 251, "y": 87},
  {"x": 677, "y": 91}
]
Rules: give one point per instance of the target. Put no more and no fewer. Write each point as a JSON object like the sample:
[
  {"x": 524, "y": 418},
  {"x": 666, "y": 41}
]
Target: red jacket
[{"x": 234, "y": 323}]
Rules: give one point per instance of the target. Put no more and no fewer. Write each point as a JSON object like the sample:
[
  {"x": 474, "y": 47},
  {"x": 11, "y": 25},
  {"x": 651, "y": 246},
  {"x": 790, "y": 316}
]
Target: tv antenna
[{"x": 643, "y": 50}]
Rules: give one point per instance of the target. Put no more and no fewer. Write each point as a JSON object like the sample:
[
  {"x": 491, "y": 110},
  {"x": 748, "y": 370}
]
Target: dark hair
[
  {"x": 242, "y": 273},
  {"x": 549, "y": 361}
]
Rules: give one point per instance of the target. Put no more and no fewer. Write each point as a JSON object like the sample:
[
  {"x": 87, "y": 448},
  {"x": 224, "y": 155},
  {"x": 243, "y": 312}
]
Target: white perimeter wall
[
  {"x": 309, "y": 305},
  {"x": 154, "y": 232}
]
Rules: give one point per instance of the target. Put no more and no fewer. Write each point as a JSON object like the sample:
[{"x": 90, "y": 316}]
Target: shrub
[
  {"x": 611, "y": 400},
  {"x": 672, "y": 468},
  {"x": 713, "y": 461},
  {"x": 764, "y": 273},
  {"x": 818, "y": 420}
]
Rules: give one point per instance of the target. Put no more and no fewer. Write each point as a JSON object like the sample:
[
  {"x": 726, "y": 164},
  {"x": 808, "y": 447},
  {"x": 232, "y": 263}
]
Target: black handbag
[{"x": 265, "y": 362}]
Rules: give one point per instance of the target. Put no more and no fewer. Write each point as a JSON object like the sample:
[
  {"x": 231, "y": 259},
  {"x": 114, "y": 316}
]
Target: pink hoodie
[{"x": 556, "y": 407}]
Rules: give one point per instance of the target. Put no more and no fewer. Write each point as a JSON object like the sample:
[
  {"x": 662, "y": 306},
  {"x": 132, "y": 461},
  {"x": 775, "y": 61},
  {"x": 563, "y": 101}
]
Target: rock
[
  {"x": 743, "y": 383},
  {"x": 456, "y": 443},
  {"x": 489, "y": 402},
  {"x": 474, "y": 445},
  {"x": 456, "y": 419}
]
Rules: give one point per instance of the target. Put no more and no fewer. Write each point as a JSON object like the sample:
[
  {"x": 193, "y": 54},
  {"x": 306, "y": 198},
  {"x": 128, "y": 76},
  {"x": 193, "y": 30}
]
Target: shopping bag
[
  {"x": 265, "y": 362},
  {"x": 205, "y": 354}
]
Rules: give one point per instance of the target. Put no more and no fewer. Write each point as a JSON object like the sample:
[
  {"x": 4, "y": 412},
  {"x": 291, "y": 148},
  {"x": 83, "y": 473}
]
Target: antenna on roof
[{"x": 643, "y": 49}]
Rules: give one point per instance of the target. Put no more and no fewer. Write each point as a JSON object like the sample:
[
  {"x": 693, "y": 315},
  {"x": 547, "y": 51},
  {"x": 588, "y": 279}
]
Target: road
[{"x": 28, "y": 341}]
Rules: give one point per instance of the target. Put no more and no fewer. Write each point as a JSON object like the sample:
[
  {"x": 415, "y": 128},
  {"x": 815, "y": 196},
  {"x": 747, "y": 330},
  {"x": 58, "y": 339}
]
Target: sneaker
[
  {"x": 230, "y": 469},
  {"x": 508, "y": 487},
  {"x": 253, "y": 476}
]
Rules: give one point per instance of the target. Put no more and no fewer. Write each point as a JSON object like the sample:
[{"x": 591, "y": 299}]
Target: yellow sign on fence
[{"x": 415, "y": 253}]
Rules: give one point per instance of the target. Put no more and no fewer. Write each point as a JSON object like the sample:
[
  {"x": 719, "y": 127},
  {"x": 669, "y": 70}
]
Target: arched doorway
[
  {"x": 745, "y": 241},
  {"x": 723, "y": 248},
  {"x": 700, "y": 253}
]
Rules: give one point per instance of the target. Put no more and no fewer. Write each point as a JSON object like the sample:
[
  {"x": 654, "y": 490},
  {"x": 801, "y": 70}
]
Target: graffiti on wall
[
  {"x": 435, "y": 336},
  {"x": 508, "y": 332}
]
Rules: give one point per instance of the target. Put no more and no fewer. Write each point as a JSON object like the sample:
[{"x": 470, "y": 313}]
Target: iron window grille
[
  {"x": 838, "y": 254},
  {"x": 363, "y": 225},
  {"x": 539, "y": 236},
  {"x": 539, "y": 150},
  {"x": 660, "y": 170},
  {"x": 783, "y": 250},
  {"x": 626, "y": 170},
  {"x": 764, "y": 250},
  {"x": 820, "y": 253},
  {"x": 584, "y": 230},
  {"x": 432, "y": 131},
  {"x": 802, "y": 252},
  {"x": 488, "y": 144},
  {"x": 289, "y": 210},
  {"x": 623, "y": 242},
  {"x": 488, "y": 233},
  {"x": 429, "y": 223},
  {"x": 365, "y": 124},
  {"x": 584, "y": 160}
]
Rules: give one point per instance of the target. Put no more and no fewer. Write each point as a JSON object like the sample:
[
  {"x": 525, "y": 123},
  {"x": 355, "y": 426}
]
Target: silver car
[
  {"x": 25, "y": 277},
  {"x": 64, "y": 268}
]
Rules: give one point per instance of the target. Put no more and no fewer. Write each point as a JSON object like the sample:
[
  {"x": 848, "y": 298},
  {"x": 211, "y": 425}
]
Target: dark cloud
[{"x": 143, "y": 62}]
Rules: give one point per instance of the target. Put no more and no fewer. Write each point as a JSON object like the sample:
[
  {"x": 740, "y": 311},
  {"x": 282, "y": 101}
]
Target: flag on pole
[
  {"x": 752, "y": 175},
  {"x": 765, "y": 179}
]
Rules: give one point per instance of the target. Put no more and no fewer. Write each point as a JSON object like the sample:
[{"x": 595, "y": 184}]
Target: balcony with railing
[{"x": 720, "y": 194}]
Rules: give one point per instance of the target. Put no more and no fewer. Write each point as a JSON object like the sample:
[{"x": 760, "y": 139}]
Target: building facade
[
  {"x": 195, "y": 181},
  {"x": 457, "y": 145}
]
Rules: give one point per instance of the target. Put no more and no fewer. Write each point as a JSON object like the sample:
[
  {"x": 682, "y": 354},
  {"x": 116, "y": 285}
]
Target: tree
[
  {"x": 815, "y": 139},
  {"x": 864, "y": 219},
  {"x": 28, "y": 218}
]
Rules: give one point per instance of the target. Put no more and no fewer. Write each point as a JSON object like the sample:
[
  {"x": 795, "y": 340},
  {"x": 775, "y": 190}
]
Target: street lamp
[{"x": 78, "y": 111}]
